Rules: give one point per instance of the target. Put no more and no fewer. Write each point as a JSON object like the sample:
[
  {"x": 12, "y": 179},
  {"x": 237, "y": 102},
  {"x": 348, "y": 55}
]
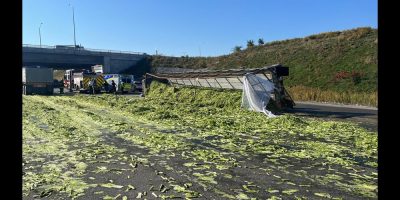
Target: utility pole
[{"x": 40, "y": 36}]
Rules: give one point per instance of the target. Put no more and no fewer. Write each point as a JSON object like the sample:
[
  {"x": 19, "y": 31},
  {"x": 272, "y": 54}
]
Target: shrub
[
  {"x": 260, "y": 41},
  {"x": 250, "y": 43}
]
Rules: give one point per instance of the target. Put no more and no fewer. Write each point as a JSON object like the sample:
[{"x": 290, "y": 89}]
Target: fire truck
[
  {"x": 73, "y": 77},
  {"x": 79, "y": 79}
]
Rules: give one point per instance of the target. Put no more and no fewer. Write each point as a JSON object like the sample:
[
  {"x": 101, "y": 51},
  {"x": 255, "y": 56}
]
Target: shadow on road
[
  {"x": 364, "y": 117},
  {"x": 315, "y": 112}
]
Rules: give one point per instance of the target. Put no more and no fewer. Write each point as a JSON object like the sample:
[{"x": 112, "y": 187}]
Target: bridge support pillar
[{"x": 106, "y": 64}]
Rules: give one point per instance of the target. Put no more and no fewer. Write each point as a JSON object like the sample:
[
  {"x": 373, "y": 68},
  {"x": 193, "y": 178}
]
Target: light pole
[
  {"x": 73, "y": 21},
  {"x": 40, "y": 36}
]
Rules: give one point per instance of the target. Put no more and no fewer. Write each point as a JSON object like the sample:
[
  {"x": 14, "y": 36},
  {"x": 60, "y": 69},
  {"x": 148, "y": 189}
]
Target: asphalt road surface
[{"x": 366, "y": 117}]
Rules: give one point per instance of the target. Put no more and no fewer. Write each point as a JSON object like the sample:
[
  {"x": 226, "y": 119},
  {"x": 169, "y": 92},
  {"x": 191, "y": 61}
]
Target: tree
[
  {"x": 237, "y": 49},
  {"x": 260, "y": 41},
  {"x": 250, "y": 43}
]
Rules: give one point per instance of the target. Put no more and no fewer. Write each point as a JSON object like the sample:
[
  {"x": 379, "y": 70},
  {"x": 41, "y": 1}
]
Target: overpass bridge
[{"x": 67, "y": 57}]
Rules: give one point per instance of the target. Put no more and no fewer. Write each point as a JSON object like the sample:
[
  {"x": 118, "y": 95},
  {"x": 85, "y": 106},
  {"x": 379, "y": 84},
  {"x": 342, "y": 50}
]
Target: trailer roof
[
  {"x": 227, "y": 79},
  {"x": 216, "y": 73}
]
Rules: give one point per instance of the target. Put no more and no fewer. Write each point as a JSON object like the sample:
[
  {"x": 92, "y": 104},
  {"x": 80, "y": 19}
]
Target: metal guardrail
[{"x": 82, "y": 49}]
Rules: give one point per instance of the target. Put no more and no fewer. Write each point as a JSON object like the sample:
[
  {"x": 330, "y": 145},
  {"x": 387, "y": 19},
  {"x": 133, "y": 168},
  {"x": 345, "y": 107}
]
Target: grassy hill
[{"x": 338, "y": 64}]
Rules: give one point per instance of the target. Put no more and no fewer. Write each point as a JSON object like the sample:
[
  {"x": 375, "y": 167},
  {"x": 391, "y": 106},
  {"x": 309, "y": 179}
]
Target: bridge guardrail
[{"x": 88, "y": 50}]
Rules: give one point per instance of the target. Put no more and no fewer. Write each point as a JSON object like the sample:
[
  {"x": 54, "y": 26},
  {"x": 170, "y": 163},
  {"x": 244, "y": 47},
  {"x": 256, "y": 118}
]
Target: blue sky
[{"x": 188, "y": 27}]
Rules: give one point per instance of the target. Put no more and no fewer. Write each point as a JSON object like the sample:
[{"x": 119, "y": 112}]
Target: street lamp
[
  {"x": 40, "y": 36},
  {"x": 73, "y": 21}
]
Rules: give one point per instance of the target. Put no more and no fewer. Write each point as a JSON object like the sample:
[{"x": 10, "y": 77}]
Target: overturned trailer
[{"x": 228, "y": 79}]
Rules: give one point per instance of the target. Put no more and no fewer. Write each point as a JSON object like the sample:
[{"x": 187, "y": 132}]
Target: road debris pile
[{"x": 188, "y": 143}]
